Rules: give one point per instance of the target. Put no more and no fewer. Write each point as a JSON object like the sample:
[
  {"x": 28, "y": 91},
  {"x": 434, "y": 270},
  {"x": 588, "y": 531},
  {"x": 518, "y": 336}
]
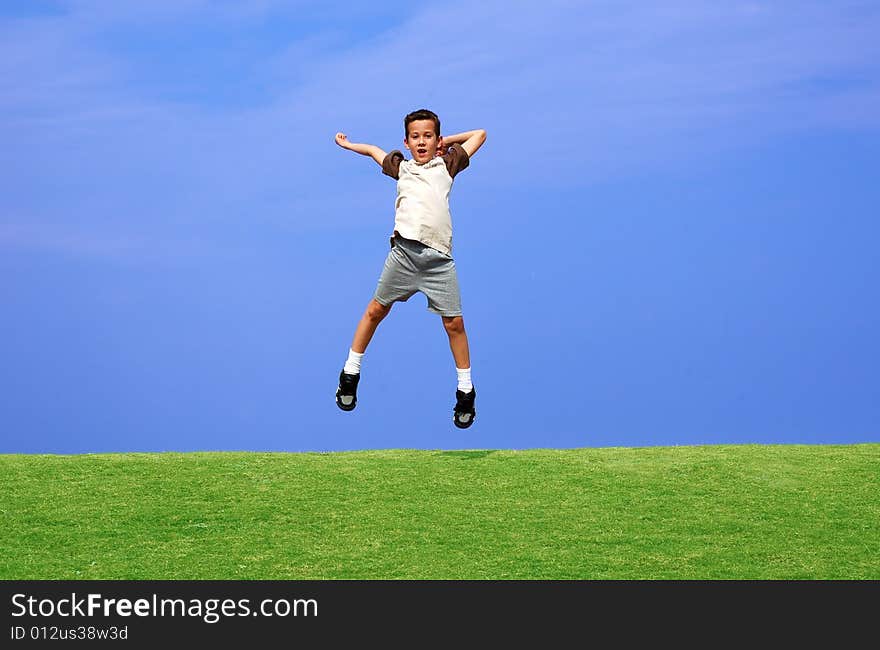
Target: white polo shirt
[{"x": 421, "y": 211}]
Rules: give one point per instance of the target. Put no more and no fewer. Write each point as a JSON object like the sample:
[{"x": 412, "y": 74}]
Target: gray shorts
[{"x": 410, "y": 267}]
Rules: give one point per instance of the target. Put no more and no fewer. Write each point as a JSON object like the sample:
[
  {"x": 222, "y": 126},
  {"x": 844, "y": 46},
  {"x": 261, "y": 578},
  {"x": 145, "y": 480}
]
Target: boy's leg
[
  {"x": 397, "y": 282},
  {"x": 458, "y": 342},
  {"x": 346, "y": 393},
  {"x": 464, "y": 411}
]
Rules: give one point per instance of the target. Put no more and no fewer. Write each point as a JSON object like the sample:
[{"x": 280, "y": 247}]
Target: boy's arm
[
  {"x": 364, "y": 149},
  {"x": 469, "y": 140}
]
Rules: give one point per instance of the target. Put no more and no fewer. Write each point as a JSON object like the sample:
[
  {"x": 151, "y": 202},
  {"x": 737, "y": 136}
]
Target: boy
[{"x": 421, "y": 247}]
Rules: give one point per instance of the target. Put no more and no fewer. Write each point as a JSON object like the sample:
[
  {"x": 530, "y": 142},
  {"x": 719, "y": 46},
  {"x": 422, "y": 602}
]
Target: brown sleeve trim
[
  {"x": 456, "y": 159},
  {"x": 391, "y": 164}
]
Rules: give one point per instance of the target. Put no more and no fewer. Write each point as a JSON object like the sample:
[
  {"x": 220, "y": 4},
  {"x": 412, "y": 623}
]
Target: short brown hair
[{"x": 421, "y": 114}]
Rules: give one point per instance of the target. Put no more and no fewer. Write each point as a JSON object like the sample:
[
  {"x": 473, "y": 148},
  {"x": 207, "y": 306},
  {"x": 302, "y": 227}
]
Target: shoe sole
[
  {"x": 464, "y": 425},
  {"x": 350, "y": 407}
]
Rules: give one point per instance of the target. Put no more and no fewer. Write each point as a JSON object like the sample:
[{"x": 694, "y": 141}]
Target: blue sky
[{"x": 669, "y": 237}]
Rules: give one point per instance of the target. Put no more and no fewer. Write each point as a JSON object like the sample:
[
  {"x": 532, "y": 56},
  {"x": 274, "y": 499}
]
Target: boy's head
[{"x": 422, "y": 137}]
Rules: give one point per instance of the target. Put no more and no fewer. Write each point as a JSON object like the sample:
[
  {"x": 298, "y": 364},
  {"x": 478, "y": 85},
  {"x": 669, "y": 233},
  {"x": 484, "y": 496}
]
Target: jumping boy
[{"x": 420, "y": 258}]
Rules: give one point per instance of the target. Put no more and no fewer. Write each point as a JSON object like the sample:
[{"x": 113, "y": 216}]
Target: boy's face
[{"x": 422, "y": 140}]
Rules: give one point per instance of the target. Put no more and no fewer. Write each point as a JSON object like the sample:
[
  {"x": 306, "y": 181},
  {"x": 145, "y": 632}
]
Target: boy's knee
[
  {"x": 454, "y": 324},
  {"x": 376, "y": 311}
]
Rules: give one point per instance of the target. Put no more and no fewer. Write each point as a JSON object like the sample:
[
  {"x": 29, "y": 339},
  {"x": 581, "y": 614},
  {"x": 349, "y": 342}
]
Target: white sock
[
  {"x": 464, "y": 380},
  {"x": 353, "y": 363}
]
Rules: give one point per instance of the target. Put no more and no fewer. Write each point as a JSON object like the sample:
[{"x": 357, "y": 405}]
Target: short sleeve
[
  {"x": 391, "y": 164},
  {"x": 456, "y": 159}
]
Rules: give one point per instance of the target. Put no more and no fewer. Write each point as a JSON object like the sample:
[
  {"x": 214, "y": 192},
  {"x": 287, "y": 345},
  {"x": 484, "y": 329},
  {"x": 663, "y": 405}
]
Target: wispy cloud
[
  {"x": 588, "y": 89},
  {"x": 618, "y": 83}
]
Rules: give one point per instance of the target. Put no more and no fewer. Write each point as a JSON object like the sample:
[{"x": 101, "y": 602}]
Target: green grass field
[{"x": 713, "y": 512}]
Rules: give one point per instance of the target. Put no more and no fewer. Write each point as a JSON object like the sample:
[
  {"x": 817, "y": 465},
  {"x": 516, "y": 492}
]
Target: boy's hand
[
  {"x": 370, "y": 150},
  {"x": 470, "y": 141}
]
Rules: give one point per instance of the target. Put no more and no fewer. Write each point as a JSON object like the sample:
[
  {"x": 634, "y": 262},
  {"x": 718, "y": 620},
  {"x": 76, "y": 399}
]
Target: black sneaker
[
  {"x": 464, "y": 413},
  {"x": 346, "y": 394}
]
